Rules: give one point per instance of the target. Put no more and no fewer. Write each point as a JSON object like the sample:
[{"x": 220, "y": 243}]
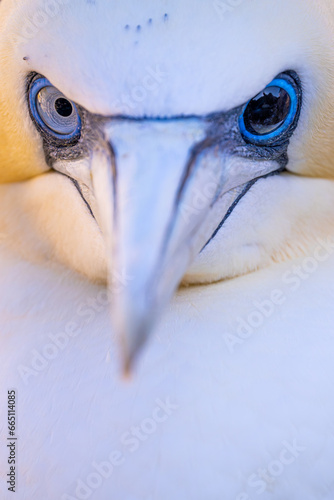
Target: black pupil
[
  {"x": 63, "y": 107},
  {"x": 267, "y": 111}
]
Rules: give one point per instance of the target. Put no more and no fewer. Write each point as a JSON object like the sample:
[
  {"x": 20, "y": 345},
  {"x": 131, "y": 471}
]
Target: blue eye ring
[
  {"x": 36, "y": 86},
  {"x": 283, "y": 132}
]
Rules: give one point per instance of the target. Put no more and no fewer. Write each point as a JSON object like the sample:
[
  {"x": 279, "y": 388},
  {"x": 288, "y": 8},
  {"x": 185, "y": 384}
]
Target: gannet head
[{"x": 171, "y": 124}]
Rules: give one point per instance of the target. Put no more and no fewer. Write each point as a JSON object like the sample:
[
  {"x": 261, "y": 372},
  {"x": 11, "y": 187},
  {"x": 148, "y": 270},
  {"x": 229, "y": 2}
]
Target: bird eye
[
  {"x": 53, "y": 112},
  {"x": 271, "y": 116}
]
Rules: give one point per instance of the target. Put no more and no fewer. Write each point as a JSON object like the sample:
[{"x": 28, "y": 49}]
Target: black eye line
[
  {"x": 77, "y": 186},
  {"x": 280, "y": 148},
  {"x": 237, "y": 200},
  {"x": 75, "y": 182}
]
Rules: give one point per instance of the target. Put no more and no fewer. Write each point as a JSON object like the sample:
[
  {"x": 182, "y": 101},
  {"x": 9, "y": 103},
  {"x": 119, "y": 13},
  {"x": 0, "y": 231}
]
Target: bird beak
[{"x": 161, "y": 188}]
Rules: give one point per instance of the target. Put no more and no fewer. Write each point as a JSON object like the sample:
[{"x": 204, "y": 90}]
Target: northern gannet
[{"x": 147, "y": 144}]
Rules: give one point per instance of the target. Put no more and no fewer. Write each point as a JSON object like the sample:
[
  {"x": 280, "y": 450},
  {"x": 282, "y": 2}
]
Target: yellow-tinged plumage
[{"x": 21, "y": 153}]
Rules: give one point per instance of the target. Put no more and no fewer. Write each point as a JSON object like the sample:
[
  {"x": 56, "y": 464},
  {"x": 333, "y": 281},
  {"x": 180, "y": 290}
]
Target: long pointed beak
[{"x": 161, "y": 190}]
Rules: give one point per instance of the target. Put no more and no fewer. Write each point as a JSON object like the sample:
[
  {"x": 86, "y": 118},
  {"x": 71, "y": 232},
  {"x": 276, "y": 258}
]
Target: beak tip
[
  {"x": 131, "y": 347},
  {"x": 127, "y": 371},
  {"x": 132, "y": 325},
  {"x": 128, "y": 363}
]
